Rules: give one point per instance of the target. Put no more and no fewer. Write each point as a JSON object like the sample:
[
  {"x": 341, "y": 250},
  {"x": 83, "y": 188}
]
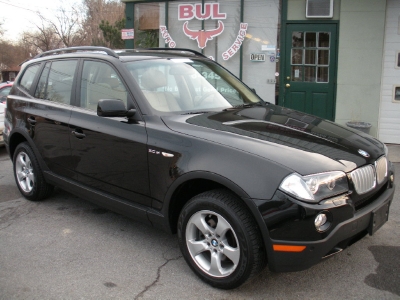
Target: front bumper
[{"x": 339, "y": 238}]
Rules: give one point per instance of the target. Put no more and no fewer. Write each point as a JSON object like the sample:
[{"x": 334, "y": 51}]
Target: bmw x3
[{"x": 173, "y": 139}]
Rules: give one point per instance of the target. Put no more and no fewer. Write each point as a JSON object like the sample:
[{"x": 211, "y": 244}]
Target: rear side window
[
  {"x": 55, "y": 83},
  {"x": 28, "y": 77}
]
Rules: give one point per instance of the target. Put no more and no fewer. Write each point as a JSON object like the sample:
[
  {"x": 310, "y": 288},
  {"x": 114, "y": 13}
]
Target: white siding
[{"x": 389, "y": 120}]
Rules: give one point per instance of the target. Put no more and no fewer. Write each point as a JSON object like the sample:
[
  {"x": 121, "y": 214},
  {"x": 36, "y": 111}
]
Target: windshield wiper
[
  {"x": 246, "y": 105},
  {"x": 195, "y": 112}
]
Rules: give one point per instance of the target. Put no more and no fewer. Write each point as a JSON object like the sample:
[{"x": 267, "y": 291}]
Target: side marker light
[{"x": 288, "y": 248}]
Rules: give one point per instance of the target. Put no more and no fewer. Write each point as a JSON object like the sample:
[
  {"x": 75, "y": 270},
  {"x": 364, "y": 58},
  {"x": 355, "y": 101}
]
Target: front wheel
[
  {"x": 220, "y": 240},
  {"x": 28, "y": 174}
]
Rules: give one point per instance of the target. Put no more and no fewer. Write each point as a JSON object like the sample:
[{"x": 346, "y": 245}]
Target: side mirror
[{"x": 113, "y": 108}]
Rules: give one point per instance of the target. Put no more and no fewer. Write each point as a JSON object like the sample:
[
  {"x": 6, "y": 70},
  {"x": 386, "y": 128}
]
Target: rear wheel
[
  {"x": 220, "y": 240},
  {"x": 28, "y": 174}
]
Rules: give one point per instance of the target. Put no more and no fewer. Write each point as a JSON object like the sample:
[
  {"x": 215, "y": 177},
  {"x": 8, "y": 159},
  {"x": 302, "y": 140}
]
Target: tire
[
  {"x": 28, "y": 174},
  {"x": 220, "y": 240}
]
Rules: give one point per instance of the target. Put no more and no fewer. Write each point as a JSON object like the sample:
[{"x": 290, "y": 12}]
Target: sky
[{"x": 18, "y": 16}]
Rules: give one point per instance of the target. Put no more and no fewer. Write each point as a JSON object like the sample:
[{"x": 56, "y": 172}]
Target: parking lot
[{"x": 67, "y": 248}]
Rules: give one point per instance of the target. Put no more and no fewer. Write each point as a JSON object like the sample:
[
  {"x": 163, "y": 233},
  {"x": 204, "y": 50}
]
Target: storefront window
[
  {"x": 210, "y": 28},
  {"x": 229, "y": 32},
  {"x": 148, "y": 18},
  {"x": 262, "y": 36}
]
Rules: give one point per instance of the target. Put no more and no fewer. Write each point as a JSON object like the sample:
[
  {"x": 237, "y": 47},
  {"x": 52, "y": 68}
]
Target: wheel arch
[
  {"x": 181, "y": 192},
  {"x": 191, "y": 184},
  {"x": 19, "y": 136}
]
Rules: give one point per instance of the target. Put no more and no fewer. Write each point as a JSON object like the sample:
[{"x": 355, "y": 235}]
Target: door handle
[
  {"x": 287, "y": 85},
  {"x": 79, "y": 135},
  {"x": 32, "y": 121}
]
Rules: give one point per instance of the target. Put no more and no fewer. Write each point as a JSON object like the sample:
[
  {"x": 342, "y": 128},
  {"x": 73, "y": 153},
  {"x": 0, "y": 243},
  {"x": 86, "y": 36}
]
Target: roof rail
[
  {"x": 81, "y": 48},
  {"x": 177, "y": 49}
]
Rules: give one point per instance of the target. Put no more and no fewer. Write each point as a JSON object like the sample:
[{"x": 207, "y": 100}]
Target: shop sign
[
  {"x": 190, "y": 11},
  {"x": 127, "y": 34},
  {"x": 167, "y": 37},
  {"x": 257, "y": 57},
  {"x": 237, "y": 43},
  {"x": 187, "y": 12},
  {"x": 203, "y": 36}
]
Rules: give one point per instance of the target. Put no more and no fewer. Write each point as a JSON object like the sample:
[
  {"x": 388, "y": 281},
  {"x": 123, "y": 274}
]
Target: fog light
[
  {"x": 392, "y": 178},
  {"x": 321, "y": 222}
]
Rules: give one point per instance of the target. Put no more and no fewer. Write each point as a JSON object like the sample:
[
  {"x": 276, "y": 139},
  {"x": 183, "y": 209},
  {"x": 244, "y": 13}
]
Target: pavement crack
[
  {"x": 8, "y": 225},
  {"x": 148, "y": 287},
  {"x": 9, "y": 214}
]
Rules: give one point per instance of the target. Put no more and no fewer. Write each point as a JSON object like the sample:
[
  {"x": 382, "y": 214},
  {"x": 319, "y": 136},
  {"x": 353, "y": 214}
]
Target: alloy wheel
[
  {"x": 212, "y": 243},
  {"x": 24, "y": 172}
]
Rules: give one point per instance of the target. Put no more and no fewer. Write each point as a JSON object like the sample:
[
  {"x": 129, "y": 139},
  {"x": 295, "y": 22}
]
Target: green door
[{"x": 310, "y": 69}]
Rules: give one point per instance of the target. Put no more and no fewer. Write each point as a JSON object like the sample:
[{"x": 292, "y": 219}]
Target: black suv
[{"x": 173, "y": 139}]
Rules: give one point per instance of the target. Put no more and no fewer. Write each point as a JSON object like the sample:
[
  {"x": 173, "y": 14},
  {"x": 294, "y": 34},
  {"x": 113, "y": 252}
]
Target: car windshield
[{"x": 188, "y": 85}]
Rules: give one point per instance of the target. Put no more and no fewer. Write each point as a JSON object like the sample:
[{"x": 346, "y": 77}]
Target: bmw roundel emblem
[{"x": 363, "y": 153}]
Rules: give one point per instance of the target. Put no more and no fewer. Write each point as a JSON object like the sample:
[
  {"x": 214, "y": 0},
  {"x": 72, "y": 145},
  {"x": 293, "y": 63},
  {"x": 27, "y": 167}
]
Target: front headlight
[{"x": 313, "y": 188}]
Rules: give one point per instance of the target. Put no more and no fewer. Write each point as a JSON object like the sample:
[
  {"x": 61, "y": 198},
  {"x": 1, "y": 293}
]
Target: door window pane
[
  {"x": 297, "y": 56},
  {"x": 310, "y": 57},
  {"x": 311, "y": 39},
  {"x": 297, "y": 73},
  {"x": 323, "y": 57},
  {"x": 309, "y": 74},
  {"x": 323, "y": 75},
  {"x": 297, "y": 39},
  {"x": 323, "y": 39},
  {"x": 100, "y": 81}
]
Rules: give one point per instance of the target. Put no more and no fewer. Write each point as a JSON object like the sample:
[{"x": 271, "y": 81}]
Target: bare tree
[
  {"x": 68, "y": 27},
  {"x": 12, "y": 54},
  {"x": 44, "y": 38},
  {"x": 96, "y": 12}
]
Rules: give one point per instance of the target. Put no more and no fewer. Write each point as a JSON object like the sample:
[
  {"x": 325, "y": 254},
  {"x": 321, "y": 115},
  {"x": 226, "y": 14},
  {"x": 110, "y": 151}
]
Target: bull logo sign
[{"x": 188, "y": 12}]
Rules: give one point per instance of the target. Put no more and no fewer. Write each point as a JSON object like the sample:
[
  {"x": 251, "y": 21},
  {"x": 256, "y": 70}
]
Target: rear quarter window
[{"x": 28, "y": 77}]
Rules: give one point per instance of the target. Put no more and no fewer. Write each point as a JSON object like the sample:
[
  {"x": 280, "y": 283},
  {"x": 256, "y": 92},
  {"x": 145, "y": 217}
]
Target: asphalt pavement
[{"x": 68, "y": 248}]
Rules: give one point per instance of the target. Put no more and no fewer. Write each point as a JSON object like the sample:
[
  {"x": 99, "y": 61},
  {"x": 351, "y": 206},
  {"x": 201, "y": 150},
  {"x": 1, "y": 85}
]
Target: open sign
[{"x": 257, "y": 57}]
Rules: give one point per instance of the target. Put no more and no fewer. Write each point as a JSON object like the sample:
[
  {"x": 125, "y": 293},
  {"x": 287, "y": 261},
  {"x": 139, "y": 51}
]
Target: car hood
[{"x": 303, "y": 143}]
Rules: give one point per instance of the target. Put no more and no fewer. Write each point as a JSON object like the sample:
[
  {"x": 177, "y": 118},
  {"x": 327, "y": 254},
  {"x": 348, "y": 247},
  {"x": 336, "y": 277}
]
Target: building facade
[
  {"x": 329, "y": 58},
  {"x": 389, "y": 118}
]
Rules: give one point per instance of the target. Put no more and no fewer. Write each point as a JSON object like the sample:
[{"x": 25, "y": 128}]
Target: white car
[
  {"x": 2, "y": 109},
  {"x": 4, "y": 91}
]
